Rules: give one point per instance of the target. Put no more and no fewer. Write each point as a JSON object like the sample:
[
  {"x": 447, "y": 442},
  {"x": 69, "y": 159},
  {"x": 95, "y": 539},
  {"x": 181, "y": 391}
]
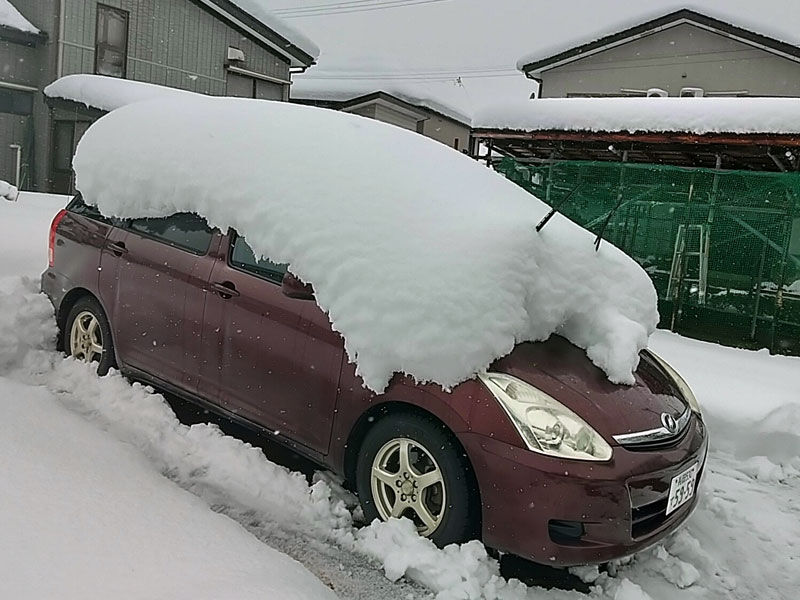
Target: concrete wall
[
  {"x": 682, "y": 56},
  {"x": 170, "y": 42}
]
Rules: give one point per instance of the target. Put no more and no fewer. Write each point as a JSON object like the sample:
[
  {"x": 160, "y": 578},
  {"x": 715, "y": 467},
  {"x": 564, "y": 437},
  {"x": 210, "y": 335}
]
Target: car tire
[
  {"x": 87, "y": 334},
  {"x": 435, "y": 478}
]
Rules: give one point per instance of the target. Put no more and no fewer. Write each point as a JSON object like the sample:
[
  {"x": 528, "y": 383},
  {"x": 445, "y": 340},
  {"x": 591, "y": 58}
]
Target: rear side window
[
  {"x": 243, "y": 258},
  {"x": 182, "y": 230},
  {"x": 79, "y": 207}
]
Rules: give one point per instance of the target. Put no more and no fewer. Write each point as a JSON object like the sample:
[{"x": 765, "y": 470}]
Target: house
[
  {"x": 216, "y": 47},
  {"x": 684, "y": 53},
  {"x": 405, "y": 106}
]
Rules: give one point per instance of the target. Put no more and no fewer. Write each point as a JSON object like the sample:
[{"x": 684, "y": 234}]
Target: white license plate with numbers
[{"x": 681, "y": 489}]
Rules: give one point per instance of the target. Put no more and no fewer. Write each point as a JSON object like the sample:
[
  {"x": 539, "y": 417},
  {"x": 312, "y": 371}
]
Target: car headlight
[
  {"x": 546, "y": 425},
  {"x": 681, "y": 384}
]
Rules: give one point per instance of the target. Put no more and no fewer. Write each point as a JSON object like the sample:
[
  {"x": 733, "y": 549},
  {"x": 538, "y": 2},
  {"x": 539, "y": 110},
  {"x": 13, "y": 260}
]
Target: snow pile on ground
[
  {"x": 754, "y": 414},
  {"x": 24, "y": 226},
  {"x": 427, "y": 262},
  {"x": 8, "y": 191},
  {"x": 260, "y": 10},
  {"x": 108, "y": 93},
  {"x": 83, "y": 515},
  {"x": 11, "y": 17},
  {"x": 684, "y": 115}
]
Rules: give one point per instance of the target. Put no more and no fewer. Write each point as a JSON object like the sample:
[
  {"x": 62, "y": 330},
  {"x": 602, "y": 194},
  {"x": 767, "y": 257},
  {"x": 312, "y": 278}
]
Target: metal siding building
[
  {"x": 177, "y": 43},
  {"x": 681, "y": 50}
]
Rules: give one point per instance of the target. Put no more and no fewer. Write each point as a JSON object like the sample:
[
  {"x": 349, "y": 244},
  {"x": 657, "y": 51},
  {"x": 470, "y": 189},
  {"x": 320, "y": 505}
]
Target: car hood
[{"x": 563, "y": 371}]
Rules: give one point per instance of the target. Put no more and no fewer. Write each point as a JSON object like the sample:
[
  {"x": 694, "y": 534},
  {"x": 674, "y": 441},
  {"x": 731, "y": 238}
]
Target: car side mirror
[{"x": 294, "y": 288}]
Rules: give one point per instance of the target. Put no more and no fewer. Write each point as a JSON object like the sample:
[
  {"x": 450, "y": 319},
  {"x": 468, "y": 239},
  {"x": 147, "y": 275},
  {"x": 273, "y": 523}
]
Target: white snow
[
  {"x": 8, "y": 191},
  {"x": 740, "y": 544},
  {"x": 108, "y": 93},
  {"x": 11, "y": 17},
  {"x": 447, "y": 98},
  {"x": 684, "y": 115},
  {"x": 86, "y": 516},
  {"x": 427, "y": 262},
  {"x": 260, "y": 10}
]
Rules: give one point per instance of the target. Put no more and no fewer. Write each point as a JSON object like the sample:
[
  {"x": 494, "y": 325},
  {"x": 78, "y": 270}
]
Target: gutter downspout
[{"x": 60, "y": 42}]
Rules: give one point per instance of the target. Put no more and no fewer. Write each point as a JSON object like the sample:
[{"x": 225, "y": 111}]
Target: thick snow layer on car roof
[
  {"x": 259, "y": 10},
  {"x": 426, "y": 261},
  {"x": 683, "y": 115},
  {"x": 11, "y": 17},
  {"x": 107, "y": 93}
]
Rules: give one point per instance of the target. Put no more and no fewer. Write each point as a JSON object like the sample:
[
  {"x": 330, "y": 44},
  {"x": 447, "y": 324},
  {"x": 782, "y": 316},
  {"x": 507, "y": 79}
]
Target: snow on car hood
[{"x": 426, "y": 261}]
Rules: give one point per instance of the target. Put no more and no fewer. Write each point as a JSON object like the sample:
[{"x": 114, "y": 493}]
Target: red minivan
[{"x": 541, "y": 456}]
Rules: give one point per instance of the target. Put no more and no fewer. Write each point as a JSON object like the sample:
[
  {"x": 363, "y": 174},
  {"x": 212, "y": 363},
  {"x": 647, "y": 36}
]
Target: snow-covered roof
[
  {"x": 259, "y": 10},
  {"x": 446, "y": 98},
  {"x": 11, "y": 17},
  {"x": 427, "y": 262},
  {"x": 685, "y": 115},
  {"x": 776, "y": 36},
  {"x": 107, "y": 93}
]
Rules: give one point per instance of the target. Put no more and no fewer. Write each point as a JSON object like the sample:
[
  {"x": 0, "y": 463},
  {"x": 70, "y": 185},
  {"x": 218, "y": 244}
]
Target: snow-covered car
[{"x": 383, "y": 371}]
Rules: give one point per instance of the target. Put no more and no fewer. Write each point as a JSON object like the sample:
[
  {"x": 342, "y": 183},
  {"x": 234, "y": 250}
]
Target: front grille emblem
[{"x": 669, "y": 423}]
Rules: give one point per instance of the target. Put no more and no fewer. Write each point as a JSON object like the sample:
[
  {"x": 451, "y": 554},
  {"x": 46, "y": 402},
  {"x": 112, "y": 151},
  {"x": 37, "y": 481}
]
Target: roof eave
[
  {"x": 536, "y": 68},
  {"x": 25, "y": 38},
  {"x": 265, "y": 35}
]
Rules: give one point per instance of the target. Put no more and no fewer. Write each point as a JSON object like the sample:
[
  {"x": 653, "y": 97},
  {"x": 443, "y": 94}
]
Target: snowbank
[
  {"x": 683, "y": 115},
  {"x": 427, "y": 262},
  {"x": 260, "y": 10},
  {"x": 8, "y": 191},
  {"x": 108, "y": 93},
  {"x": 24, "y": 226},
  {"x": 85, "y": 516},
  {"x": 11, "y": 17}
]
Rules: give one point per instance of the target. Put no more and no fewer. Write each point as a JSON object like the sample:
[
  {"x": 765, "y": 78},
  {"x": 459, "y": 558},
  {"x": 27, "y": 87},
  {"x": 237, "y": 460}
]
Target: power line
[
  {"x": 345, "y": 4},
  {"x": 341, "y": 8},
  {"x": 429, "y": 76}
]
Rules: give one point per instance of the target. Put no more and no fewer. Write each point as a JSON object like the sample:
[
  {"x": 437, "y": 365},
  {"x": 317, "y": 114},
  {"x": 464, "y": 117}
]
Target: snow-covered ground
[{"x": 96, "y": 472}]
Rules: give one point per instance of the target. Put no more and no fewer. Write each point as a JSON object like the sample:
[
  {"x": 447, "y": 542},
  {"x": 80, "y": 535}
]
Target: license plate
[{"x": 681, "y": 489}]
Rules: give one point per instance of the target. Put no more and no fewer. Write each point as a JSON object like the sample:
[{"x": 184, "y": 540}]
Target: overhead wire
[{"x": 347, "y": 8}]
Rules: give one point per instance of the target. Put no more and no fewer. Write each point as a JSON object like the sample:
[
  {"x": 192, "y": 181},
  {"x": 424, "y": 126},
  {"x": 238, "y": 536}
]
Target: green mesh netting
[{"x": 722, "y": 247}]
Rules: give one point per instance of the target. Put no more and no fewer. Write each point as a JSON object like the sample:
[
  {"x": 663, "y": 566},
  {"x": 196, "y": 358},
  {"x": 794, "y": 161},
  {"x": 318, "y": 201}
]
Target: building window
[
  {"x": 111, "y": 41},
  {"x": 242, "y": 86}
]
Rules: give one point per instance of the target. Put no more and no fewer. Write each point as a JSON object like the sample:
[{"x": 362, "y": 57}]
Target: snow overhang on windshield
[{"x": 427, "y": 262}]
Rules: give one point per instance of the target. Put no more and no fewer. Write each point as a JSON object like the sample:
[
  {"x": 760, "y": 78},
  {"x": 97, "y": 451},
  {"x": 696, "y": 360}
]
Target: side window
[
  {"x": 242, "y": 257},
  {"x": 183, "y": 230},
  {"x": 111, "y": 41},
  {"x": 79, "y": 207}
]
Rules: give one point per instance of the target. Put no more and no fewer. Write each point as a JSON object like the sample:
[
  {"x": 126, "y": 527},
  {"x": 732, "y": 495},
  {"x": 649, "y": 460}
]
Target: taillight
[{"x": 51, "y": 242}]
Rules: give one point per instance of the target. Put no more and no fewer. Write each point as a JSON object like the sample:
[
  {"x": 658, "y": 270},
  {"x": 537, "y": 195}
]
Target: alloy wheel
[
  {"x": 86, "y": 338},
  {"x": 406, "y": 481}
]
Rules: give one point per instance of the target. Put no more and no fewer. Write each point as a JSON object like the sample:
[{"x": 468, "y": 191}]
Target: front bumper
[{"x": 566, "y": 512}]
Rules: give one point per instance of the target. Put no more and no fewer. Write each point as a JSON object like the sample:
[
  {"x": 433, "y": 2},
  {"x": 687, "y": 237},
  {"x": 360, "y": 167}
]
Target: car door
[
  {"x": 155, "y": 270},
  {"x": 274, "y": 367}
]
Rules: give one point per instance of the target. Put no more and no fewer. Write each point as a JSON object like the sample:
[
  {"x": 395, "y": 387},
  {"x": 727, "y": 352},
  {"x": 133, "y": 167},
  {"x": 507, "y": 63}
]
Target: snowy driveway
[{"x": 83, "y": 459}]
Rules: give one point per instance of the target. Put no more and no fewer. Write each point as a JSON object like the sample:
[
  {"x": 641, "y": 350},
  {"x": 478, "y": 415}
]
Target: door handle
[
  {"x": 118, "y": 248},
  {"x": 225, "y": 289}
]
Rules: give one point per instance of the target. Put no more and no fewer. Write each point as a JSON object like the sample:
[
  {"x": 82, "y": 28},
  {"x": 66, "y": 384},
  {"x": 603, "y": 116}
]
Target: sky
[{"x": 464, "y": 52}]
